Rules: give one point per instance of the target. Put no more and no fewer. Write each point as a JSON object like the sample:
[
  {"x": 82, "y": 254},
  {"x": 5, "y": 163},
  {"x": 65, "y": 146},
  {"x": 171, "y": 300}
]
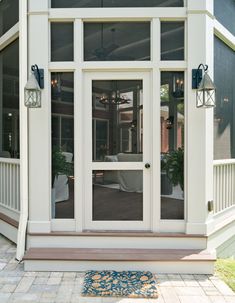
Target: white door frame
[{"x": 90, "y": 166}]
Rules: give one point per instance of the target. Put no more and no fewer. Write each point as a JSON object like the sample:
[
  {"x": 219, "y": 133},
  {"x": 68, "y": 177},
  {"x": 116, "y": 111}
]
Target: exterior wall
[
  {"x": 222, "y": 238},
  {"x": 224, "y": 145},
  {"x": 225, "y": 13},
  {"x": 198, "y": 139},
  {"x": 223, "y": 121},
  {"x": 227, "y": 249}
]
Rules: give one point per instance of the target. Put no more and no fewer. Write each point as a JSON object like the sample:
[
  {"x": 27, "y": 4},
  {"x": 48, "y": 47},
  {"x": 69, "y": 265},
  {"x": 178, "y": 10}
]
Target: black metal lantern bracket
[
  {"x": 197, "y": 75},
  {"x": 39, "y": 75}
]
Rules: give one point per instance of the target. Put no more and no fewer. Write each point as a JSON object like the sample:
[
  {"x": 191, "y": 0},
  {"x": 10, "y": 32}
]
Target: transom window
[
  {"x": 62, "y": 41},
  {"x": 120, "y": 41},
  {"x": 172, "y": 40}
]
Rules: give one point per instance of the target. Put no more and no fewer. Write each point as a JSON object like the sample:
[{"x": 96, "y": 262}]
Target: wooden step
[
  {"x": 155, "y": 260},
  {"x": 95, "y": 254}
]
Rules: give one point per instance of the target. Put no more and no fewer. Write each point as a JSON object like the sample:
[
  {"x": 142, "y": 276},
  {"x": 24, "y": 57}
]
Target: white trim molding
[
  {"x": 117, "y": 14},
  {"x": 223, "y": 34},
  {"x": 39, "y": 226},
  {"x": 11, "y": 35},
  {"x": 205, "y": 7}
]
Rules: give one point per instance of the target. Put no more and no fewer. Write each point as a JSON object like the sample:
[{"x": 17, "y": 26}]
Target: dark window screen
[
  {"x": 116, "y": 3},
  {"x": 224, "y": 114},
  {"x": 62, "y": 140},
  {"x": 121, "y": 41},
  {"x": 62, "y": 41},
  {"x": 172, "y": 40},
  {"x": 225, "y": 13},
  {"x": 9, "y": 101},
  {"x": 172, "y": 145},
  {"x": 9, "y": 14}
]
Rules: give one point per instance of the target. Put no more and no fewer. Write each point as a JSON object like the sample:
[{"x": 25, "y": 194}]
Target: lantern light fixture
[
  {"x": 32, "y": 90},
  {"x": 205, "y": 94}
]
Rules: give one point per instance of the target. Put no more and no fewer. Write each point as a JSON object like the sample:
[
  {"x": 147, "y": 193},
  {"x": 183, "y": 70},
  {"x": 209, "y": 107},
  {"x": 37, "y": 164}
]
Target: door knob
[{"x": 147, "y": 165}]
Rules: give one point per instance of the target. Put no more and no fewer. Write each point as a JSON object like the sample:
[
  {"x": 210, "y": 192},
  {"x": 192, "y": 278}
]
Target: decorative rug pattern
[{"x": 129, "y": 284}]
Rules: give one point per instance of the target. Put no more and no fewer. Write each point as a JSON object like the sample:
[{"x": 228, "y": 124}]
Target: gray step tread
[{"x": 105, "y": 254}]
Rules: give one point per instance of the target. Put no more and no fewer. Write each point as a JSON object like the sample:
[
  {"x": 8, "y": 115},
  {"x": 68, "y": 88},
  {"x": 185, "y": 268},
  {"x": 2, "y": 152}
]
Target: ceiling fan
[
  {"x": 108, "y": 53},
  {"x": 103, "y": 52}
]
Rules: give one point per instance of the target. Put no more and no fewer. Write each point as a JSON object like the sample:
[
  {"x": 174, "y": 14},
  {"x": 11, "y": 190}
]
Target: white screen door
[{"x": 117, "y": 138}]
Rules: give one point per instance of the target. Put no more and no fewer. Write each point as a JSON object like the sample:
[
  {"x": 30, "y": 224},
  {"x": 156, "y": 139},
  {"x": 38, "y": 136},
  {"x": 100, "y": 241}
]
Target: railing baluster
[
  {"x": 224, "y": 184},
  {"x": 10, "y": 184},
  {"x": 0, "y": 182},
  {"x": 7, "y": 184},
  {"x": 230, "y": 185},
  {"x": 221, "y": 188},
  {"x": 17, "y": 181},
  {"x": 217, "y": 198},
  {"x": 233, "y": 185},
  {"x": 226, "y": 187}
]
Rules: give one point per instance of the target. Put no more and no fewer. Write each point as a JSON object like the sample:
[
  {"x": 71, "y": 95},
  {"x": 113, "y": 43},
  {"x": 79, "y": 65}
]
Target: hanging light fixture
[
  {"x": 32, "y": 90},
  {"x": 205, "y": 95},
  {"x": 178, "y": 86},
  {"x": 116, "y": 98}
]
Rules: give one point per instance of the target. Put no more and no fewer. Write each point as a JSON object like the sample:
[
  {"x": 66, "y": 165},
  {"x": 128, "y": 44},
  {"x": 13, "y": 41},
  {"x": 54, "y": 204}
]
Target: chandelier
[{"x": 115, "y": 97}]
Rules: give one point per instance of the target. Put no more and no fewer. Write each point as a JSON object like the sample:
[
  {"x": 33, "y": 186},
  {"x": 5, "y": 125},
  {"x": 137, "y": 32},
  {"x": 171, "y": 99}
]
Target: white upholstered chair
[
  {"x": 5, "y": 154},
  {"x": 130, "y": 180},
  {"x": 61, "y": 182}
]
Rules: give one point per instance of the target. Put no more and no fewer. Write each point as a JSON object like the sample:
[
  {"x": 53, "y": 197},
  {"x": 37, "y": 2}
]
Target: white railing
[
  {"x": 10, "y": 184},
  {"x": 224, "y": 184}
]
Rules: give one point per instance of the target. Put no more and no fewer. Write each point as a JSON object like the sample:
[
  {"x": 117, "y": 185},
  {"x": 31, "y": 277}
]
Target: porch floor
[
  {"x": 111, "y": 204},
  {"x": 54, "y": 287}
]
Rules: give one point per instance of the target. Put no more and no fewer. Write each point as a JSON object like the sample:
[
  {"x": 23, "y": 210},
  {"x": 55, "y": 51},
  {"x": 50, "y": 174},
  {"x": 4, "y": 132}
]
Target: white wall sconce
[
  {"x": 205, "y": 94},
  {"x": 32, "y": 90}
]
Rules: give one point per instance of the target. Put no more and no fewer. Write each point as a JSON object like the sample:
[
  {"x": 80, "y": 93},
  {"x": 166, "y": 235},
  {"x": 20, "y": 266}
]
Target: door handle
[{"x": 147, "y": 165}]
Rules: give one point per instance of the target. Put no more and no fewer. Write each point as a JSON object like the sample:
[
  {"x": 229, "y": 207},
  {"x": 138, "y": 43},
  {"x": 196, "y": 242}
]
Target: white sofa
[
  {"x": 128, "y": 180},
  {"x": 61, "y": 182},
  {"x": 111, "y": 176}
]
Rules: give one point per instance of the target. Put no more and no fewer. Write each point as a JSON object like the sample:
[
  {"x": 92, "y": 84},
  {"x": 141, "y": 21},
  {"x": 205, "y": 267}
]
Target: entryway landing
[{"x": 21, "y": 286}]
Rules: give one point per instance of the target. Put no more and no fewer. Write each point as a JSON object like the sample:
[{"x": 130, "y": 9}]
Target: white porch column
[
  {"x": 199, "y": 132},
  {"x": 39, "y": 122}
]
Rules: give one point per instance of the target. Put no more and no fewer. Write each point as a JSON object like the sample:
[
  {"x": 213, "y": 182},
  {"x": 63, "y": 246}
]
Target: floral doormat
[{"x": 129, "y": 284}]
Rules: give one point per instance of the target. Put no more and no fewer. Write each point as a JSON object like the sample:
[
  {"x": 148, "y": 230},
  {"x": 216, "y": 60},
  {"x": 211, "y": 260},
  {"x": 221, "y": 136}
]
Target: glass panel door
[{"x": 117, "y": 148}]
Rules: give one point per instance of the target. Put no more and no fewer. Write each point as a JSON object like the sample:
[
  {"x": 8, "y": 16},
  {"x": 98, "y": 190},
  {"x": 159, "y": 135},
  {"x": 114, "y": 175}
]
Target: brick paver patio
[{"x": 52, "y": 287}]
